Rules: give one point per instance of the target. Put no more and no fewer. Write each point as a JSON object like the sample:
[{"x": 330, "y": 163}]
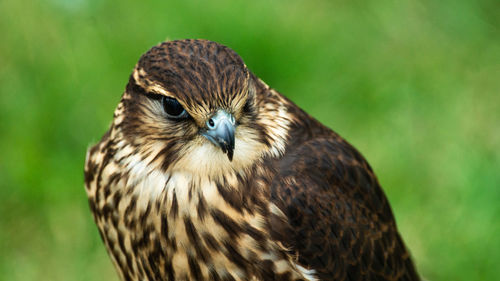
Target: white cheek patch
[
  {"x": 204, "y": 158},
  {"x": 276, "y": 120},
  {"x": 279, "y": 131},
  {"x": 247, "y": 148}
]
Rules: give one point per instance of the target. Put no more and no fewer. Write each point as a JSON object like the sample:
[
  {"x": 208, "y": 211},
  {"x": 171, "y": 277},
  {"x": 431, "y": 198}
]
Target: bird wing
[{"x": 339, "y": 221}]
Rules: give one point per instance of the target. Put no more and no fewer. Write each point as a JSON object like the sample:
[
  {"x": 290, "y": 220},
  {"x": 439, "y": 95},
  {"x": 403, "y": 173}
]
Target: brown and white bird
[{"x": 207, "y": 173}]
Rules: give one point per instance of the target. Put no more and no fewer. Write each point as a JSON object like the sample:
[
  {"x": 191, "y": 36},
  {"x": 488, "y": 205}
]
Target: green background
[{"x": 414, "y": 85}]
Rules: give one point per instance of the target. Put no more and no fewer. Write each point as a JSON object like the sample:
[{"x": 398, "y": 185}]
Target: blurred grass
[{"x": 413, "y": 84}]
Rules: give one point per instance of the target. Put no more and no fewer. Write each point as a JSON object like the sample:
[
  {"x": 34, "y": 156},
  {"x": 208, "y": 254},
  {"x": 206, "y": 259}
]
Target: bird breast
[{"x": 185, "y": 226}]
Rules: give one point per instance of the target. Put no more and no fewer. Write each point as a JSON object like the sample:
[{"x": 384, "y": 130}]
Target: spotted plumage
[{"x": 206, "y": 173}]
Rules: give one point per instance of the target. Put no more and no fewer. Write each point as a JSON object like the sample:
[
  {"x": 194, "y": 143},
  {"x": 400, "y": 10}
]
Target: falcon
[{"x": 207, "y": 173}]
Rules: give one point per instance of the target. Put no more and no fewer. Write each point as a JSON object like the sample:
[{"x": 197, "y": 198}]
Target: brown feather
[{"x": 297, "y": 202}]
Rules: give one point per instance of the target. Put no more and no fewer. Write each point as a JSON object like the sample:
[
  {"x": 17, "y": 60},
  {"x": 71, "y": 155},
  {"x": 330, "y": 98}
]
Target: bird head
[{"x": 191, "y": 105}]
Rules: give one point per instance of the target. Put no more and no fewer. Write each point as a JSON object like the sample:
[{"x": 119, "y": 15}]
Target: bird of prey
[{"x": 207, "y": 173}]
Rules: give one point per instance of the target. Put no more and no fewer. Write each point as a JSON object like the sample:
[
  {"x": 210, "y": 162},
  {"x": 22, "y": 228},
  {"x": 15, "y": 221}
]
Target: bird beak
[{"x": 220, "y": 131}]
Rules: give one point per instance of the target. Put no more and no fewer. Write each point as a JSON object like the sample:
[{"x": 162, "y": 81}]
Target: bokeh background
[{"x": 414, "y": 85}]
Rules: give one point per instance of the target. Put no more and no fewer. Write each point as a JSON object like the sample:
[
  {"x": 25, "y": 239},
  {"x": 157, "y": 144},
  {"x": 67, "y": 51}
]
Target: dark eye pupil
[{"x": 172, "y": 107}]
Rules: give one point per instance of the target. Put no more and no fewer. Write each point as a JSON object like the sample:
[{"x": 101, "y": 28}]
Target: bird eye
[{"x": 173, "y": 108}]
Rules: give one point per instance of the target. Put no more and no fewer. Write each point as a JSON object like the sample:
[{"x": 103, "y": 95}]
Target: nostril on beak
[
  {"x": 211, "y": 123},
  {"x": 220, "y": 131}
]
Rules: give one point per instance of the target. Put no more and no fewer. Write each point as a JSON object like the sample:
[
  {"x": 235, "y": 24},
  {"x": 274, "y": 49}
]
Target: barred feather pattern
[{"x": 296, "y": 202}]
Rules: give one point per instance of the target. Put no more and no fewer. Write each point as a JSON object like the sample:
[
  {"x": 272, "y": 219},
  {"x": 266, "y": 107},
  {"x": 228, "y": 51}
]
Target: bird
[{"x": 207, "y": 173}]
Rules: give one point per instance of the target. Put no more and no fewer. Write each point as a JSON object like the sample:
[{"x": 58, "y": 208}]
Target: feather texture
[{"x": 294, "y": 202}]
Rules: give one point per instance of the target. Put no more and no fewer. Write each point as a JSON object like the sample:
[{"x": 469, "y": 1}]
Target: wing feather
[{"x": 340, "y": 221}]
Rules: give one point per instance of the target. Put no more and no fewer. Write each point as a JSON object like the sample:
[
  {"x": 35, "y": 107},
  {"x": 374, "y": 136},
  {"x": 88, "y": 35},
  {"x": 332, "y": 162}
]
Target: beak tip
[
  {"x": 228, "y": 149},
  {"x": 222, "y": 133}
]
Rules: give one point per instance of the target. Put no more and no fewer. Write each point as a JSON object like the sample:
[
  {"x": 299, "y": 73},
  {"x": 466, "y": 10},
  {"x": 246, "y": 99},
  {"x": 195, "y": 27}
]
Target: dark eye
[{"x": 173, "y": 108}]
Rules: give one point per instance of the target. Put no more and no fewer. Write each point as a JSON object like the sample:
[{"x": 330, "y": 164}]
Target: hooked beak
[{"x": 220, "y": 131}]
